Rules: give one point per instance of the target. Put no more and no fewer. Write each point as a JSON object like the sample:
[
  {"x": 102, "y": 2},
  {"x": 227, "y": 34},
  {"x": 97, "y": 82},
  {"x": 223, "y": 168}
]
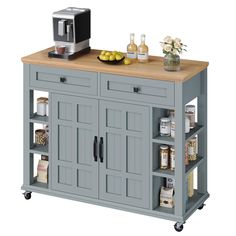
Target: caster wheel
[
  {"x": 27, "y": 195},
  {"x": 201, "y": 207},
  {"x": 178, "y": 227}
]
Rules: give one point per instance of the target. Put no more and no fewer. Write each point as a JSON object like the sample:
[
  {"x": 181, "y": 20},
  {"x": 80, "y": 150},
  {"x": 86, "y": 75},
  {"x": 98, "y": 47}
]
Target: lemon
[
  {"x": 112, "y": 58},
  {"x": 118, "y": 57},
  {"x": 108, "y": 54},
  {"x": 103, "y": 52},
  {"x": 127, "y": 61}
]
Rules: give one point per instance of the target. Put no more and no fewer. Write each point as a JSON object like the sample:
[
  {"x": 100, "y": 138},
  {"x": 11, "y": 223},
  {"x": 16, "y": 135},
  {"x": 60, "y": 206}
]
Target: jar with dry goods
[
  {"x": 190, "y": 112},
  {"x": 192, "y": 149},
  {"x": 41, "y": 137},
  {"x": 165, "y": 126},
  {"x": 164, "y": 155},
  {"x": 172, "y": 158},
  {"x": 186, "y": 161}
]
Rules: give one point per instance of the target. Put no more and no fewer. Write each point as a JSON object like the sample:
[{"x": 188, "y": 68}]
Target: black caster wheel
[
  {"x": 178, "y": 227},
  {"x": 201, "y": 207},
  {"x": 27, "y": 195}
]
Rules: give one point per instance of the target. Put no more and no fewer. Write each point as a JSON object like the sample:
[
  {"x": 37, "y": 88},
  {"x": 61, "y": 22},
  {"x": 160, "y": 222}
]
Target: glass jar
[
  {"x": 165, "y": 126},
  {"x": 41, "y": 106},
  {"x": 190, "y": 112},
  {"x": 164, "y": 154},
  {"x": 41, "y": 137},
  {"x": 192, "y": 149},
  {"x": 186, "y": 161},
  {"x": 172, "y": 158},
  {"x": 187, "y": 124},
  {"x": 171, "y": 62}
]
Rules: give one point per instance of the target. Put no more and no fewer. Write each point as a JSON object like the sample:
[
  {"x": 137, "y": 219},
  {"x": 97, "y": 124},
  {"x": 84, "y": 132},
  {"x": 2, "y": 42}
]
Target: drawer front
[
  {"x": 64, "y": 80},
  {"x": 131, "y": 88}
]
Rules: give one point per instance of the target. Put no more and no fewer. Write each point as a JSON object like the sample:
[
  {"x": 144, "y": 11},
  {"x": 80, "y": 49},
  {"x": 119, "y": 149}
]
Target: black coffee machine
[{"x": 71, "y": 32}]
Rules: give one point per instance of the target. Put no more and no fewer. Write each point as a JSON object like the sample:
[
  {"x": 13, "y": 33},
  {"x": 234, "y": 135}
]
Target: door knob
[
  {"x": 136, "y": 89},
  {"x": 62, "y": 79}
]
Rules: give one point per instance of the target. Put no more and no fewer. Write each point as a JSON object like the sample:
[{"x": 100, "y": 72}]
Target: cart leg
[
  {"x": 179, "y": 226},
  {"x": 27, "y": 195}
]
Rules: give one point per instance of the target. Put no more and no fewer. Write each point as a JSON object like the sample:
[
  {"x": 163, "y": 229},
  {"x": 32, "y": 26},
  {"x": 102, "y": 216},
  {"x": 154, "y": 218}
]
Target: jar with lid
[
  {"x": 186, "y": 161},
  {"x": 192, "y": 149},
  {"x": 41, "y": 106},
  {"x": 187, "y": 123},
  {"x": 165, "y": 126},
  {"x": 172, "y": 158},
  {"x": 164, "y": 154},
  {"x": 41, "y": 137},
  {"x": 190, "y": 112}
]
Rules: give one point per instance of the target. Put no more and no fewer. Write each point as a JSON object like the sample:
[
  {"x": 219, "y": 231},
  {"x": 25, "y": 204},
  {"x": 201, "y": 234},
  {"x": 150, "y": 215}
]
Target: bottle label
[
  {"x": 164, "y": 160},
  {"x": 191, "y": 151},
  {"x": 132, "y": 55},
  {"x": 165, "y": 129},
  {"x": 143, "y": 56}
]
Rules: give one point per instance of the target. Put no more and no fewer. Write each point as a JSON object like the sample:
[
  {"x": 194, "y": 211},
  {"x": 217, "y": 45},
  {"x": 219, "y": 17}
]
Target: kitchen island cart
[{"x": 104, "y": 132}]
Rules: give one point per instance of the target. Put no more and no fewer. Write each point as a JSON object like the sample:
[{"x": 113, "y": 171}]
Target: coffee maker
[{"x": 71, "y": 32}]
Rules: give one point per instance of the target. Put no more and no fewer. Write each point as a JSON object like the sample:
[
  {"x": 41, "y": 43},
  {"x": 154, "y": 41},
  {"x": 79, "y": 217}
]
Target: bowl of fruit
[{"x": 111, "y": 58}]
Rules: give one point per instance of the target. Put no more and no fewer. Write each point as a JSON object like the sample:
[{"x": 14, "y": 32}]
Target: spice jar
[
  {"x": 172, "y": 128},
  {"x": 47, "y": 108},
  {"x": 187, "y": 124},
  {"x": 41, "y": 106},
  {"x": 41, "y": 137},
  {"x": 186, "y": 161},
  {"x": 190, "y": 112},
  {"x": 190, "y": 184},
  {"x": 171, "y": 114},
  {"x": 164, "y": 154},
  {"x": 165, "y": 126},
  {"x": 192, "y": 149},
  {"x": 172, "y": 158}
]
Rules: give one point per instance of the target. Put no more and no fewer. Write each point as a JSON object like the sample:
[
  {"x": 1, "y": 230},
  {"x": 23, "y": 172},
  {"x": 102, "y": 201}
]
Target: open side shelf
[
  {"x": 39, "y": 184},
  {"x": 39, "y": 149},
  {"x": 165, "y": 210},
  {"x": 171, "y": 141},
  {"x": 39, "y": 119},
  {"x": 171, "y": 174}
]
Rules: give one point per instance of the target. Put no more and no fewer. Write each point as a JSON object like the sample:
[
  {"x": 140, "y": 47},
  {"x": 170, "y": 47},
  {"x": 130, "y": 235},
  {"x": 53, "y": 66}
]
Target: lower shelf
[
  {"x": 39, "y": 184},
  {"x": 190, "y": 204},
  {"x": 39, "y": 149}
]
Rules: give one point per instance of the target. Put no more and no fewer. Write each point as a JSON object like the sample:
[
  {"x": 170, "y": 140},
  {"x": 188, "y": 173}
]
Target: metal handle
[
  {"x": 136, "y": 89},
  {"x": 62, "y": 79},
  {"x": 95, "y": 151},
  {"x": 101, "y": 149}
]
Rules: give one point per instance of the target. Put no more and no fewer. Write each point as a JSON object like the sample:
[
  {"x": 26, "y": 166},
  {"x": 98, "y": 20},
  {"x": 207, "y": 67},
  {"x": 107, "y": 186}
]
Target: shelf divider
[
  {"x": 39, "y": 149},
  {"x": 164, "y": 173},
  {"x": 164, "y": 140},
  {"x": 193, "y": 132},
  {"x": 193, "y": 164},
  {"x": 39, "y": 119}
]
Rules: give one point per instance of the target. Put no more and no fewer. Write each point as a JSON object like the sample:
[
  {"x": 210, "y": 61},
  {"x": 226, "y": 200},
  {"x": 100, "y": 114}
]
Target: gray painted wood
[
  {"x": 126, "y": 180},
  {"x": 158, "y": 92},
  {"x": 202, "y": 137},
  {"x": 180, "y": 186},
  {"x": 124, "y": 174},
  {"x": 73, "y": 129},
  {"x": 83, "y": 82}
]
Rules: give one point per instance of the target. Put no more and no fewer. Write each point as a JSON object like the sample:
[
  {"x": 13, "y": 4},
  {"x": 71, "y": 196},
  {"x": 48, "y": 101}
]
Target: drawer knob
[
  {"x": 136, "y": 89},
  {"x": 62, "y": 79}
]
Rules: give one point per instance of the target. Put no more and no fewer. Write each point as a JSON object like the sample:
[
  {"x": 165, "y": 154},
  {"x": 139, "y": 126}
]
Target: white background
[{"x": 205, "y": 26}]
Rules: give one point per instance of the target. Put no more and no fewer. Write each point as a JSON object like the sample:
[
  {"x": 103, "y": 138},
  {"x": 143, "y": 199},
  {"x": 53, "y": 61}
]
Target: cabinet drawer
[
  {"x": 64, "y": 80},
  {"x": 131, "y": 88}
]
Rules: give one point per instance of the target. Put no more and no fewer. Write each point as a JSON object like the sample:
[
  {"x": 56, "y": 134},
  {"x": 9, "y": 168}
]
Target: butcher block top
[{"x": 89, "y": 62}]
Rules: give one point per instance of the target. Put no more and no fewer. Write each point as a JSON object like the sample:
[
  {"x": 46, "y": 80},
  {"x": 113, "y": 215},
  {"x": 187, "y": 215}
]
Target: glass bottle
[
  {"x": 143, "y": 50},
  {"x": 132, "y": 48}
]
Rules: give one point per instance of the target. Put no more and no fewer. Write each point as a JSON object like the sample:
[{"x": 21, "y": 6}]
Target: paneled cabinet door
[
  {"x": 123, "y": 174},
  {"x": 74, "y": 126}
]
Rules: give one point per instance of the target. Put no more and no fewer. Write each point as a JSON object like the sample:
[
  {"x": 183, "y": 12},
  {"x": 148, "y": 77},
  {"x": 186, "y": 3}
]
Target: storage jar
[
  {"x": 165, "y": 126},
  {"x": 164, "y": 154},
  {"x": 190, "y": 112}
]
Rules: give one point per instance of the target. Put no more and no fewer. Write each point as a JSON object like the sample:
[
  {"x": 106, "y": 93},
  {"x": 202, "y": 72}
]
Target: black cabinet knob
[
  {"x": 62, "y": 79},
  {"x": 136, "y": 89}
]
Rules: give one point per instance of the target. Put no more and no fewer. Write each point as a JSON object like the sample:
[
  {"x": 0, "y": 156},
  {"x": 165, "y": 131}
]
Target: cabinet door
[
  {"x": 124, "y": 173},
  {"x": 74, "y": 126}
]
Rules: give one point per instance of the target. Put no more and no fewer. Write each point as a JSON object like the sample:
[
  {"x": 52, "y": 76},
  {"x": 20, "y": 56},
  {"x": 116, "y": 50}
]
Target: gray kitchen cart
[{"x": 104, "y": 135}]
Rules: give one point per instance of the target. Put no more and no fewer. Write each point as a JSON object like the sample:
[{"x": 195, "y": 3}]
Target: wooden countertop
[{"x": 151, "y": 70}]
